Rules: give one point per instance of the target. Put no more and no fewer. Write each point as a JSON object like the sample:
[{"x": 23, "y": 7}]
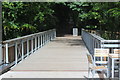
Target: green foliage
[
  {"x": 25, "y": 18},
  {"x": 21, "y": 19},
  {"x": 102, "y": 16}
]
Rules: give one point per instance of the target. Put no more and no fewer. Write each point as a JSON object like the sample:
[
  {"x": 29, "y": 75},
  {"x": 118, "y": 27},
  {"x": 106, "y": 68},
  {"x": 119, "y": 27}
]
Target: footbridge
[{"x": 43, "y": 55}]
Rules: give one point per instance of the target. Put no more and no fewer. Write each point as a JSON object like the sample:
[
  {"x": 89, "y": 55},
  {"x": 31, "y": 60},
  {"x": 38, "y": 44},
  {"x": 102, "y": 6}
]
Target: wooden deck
[{"x": 64, "y": 57}]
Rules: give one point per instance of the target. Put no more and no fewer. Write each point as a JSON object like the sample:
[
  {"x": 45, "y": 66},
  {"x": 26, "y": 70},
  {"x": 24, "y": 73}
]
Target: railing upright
[
  {"x": 41, "y": 40},
  {"x": 18, "y": 49},
  {"x": 94, "y": 41},
  {"x": 16, "y": 54},
  {"x": 6, "y": 55},
  {"x": 27, "y": 47},
  {"x": 22, "y": 50}
]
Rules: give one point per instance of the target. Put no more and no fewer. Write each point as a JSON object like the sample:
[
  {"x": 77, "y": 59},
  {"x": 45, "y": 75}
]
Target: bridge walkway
[{"x": 63, "y": 57}]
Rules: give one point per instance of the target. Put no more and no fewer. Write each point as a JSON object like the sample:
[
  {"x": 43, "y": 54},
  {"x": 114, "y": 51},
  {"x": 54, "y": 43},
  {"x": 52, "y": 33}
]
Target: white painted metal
[
  {"x": 22, "y": 50},
  {"x": 1, "y": 54},
  {"x": 94, "y": 41},
  {"x": 31, "y": 45},
  {"x": 35, "y": 42},
  {"x": 41, "y": 40},
  {"x": 16, "y": 53},
  {"x": 37, "y": 39},
  {"x": 7, "y": 59},
  {"x": 47, "y": 38},
  {"x": 27, "y": 47},
  {"x": 112, "y": 68}
]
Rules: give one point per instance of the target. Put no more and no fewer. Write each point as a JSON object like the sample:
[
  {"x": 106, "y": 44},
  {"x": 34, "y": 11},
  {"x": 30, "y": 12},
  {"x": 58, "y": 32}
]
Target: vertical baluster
[
  {"x": 50, "y": 36},
  {"x": 55, "y": 33},
  {"x": 35, "y": 43},
  {"x": 16, "y": 53},
  {"x": 47, "y": 37},
  {"x": 31, "y": 45},
  {"x": 22, "y": 50},
  {"x": 43, "y": 39},
  {"x": 1, "y": 54},
  {"x": 39, "y": 41},
  {"x": 7, "y": 57},
  {"x": 27, "y": 47}
]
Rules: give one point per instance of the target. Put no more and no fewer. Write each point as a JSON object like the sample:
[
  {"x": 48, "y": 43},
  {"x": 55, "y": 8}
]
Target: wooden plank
[{"x": 63, "y": 54}]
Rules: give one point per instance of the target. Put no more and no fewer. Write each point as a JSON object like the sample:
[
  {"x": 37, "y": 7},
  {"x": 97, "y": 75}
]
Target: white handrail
[
  {"x": 22, "y": 47},
  {"x": 94, "y": 41}
]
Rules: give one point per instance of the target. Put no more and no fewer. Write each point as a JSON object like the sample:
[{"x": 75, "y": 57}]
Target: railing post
[
  {"x": 50, "y": 36},
  {"x": 45, "y": 37},
  {"x": 31, "y": 45},
  {"x": 16, "y": 53},
  {"x": 22, "y": 50},
  {"x": 55, "y": 34},
  {"x": 38, "y": 41},
  {"x": 7, "y": 57},
  {"x": 41, "y": 40},
  {"x": 35, "y": 43},
  {"x": 27, "y": 47}
]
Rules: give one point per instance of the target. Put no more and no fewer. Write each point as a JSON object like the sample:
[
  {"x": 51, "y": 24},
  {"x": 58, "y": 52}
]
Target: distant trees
[
  {"x": 23, "y": 18},
  {"x": 101, "y": 16}
]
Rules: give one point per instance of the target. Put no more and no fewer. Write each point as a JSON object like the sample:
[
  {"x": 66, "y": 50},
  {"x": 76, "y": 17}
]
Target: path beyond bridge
[{"x": 63, "y": 57}]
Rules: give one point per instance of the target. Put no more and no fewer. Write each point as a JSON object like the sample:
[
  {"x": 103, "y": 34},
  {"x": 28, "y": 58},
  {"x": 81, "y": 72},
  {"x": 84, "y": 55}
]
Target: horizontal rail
[
  {"x": 24, "y": 37},
  {"x": 111, "y": 41},
  {"x": 15, "y": 50},
  {"x": 94, "y": 41}
]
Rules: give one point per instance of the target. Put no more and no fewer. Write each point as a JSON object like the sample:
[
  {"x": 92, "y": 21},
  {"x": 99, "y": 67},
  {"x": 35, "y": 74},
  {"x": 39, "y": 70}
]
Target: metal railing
[
  {"x": 17, "y": 49},
  {"x": 92, "y": 41}
]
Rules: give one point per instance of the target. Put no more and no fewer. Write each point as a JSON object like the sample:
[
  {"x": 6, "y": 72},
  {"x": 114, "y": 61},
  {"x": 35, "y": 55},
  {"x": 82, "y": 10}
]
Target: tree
[
  {"x": 21, "y": 19},
  {"x": 102, "y": 16}
]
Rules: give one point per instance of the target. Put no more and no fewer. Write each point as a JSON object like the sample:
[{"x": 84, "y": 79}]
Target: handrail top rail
[
  {"x": 101, "y": 39},
  {"x": 110, "y": 41},
  {"x": 27, "y": 36},
  {"x": 94, "y": 35}
]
